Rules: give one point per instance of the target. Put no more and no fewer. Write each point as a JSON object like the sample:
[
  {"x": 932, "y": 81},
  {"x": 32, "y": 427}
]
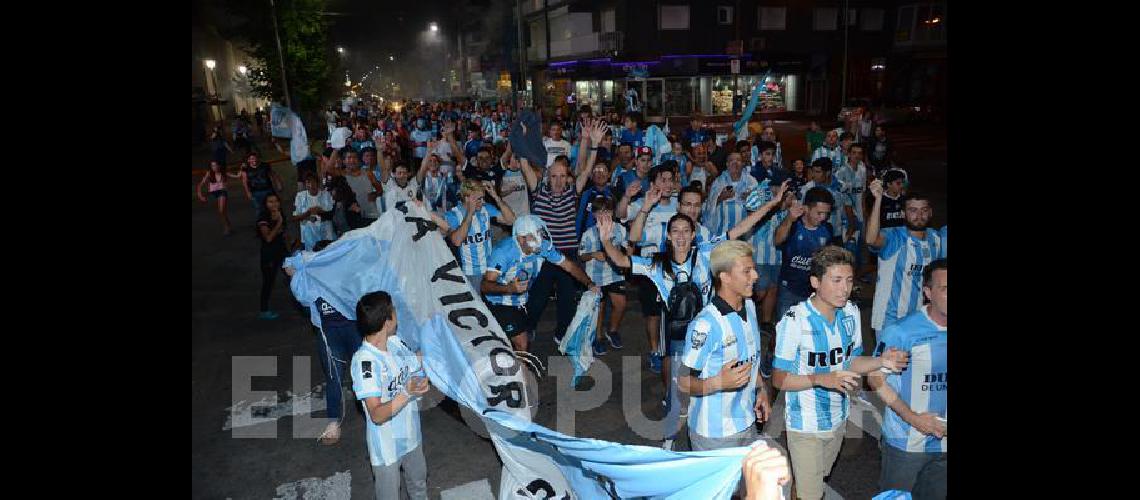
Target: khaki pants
[{"x": 812, "y": 455}]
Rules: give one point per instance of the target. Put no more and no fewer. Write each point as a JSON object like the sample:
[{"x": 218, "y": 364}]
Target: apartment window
[
  {"x": 773, "y": 18},
  {"x": 609, "y": 25},
  {"x": 724, "y": 15},
  {"x": 825, "y": 19},
  {"x": 871, "y": 20},
  {"x": 673, "y": 17}
]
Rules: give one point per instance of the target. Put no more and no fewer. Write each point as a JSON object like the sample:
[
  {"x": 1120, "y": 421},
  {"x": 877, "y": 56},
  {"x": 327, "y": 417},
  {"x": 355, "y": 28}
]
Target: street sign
[{"x": 736, "y": 66}]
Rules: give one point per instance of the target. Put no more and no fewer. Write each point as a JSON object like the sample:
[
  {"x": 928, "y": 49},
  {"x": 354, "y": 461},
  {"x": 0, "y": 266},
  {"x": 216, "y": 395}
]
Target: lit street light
[
  {"x": 210, "y": 63},
  {"x": 340, "y": 49},
  {"x": 242, "y": 70},
  {"x": 434, "y": 27},
  {"x": 391, "y": 58}
]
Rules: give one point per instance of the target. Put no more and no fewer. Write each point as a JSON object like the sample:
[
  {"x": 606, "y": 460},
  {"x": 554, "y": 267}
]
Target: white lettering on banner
[{"x": 801, "y": 262}]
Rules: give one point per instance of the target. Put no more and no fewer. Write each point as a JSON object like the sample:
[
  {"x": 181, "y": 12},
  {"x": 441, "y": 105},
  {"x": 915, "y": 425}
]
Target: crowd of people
[{"x": 744, "y": 259}]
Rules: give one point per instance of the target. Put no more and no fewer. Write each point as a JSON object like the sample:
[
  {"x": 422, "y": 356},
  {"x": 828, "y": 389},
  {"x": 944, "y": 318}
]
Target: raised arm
[
  {"x": 528, "y": 174},
  {"x": 873, "y": 237},
  {"x": 785, "y": 227},
  {"x": 622, "y": 210},
  {"x": 424, "y": 163},
  {"x": 605, "y": 233},
  {"x": 746, "y": 225}
]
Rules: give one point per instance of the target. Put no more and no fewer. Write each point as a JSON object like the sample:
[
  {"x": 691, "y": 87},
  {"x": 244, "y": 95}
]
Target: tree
[{"x": 309, "y": 60}]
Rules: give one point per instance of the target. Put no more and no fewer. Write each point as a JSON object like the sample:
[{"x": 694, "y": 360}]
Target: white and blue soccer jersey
[
  {"x": 853, "y": 183},
  {"x": 601, "y": 272},
  {"x": 313, "y": 232},
  {"x": 433, "y": 189},
  {"x": 922, "y": 385},
  {"x": 724, "y": 215},
  {"x": 702, "y": 275},
  {"x": 942, "y": 247},
  {"x": 509, "y": 262},
  {"x": 806, "y": 343},
  {"x": 717, "y": 336},
  {"x": 655, "y": 223},
  {"x": 380, "y": 374},
  {"x": 764, "y": 250},
  {"x": 835, "y": 153},
  {"x": 476, "y": 248},
  {"x": 420, "y": 140},
  {"x": 898, "y": 290}
]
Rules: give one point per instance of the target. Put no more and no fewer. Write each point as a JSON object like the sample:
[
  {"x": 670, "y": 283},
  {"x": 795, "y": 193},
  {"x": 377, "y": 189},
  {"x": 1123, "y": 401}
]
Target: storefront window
[
  {"x": 679, "y": 96},
  {"x": 775, "y": 97}
]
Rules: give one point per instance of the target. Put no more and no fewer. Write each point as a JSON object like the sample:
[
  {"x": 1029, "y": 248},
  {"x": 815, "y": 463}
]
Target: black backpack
[{"x": 685, "y": 302}]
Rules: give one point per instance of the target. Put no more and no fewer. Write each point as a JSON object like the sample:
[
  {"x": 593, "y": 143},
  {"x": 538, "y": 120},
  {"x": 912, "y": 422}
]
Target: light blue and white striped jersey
[
  {"x": 702, "y": 275},
  {"x": 655, "y": 222},
  {"x": 835, "y": 153},
  {"x": 922, "y": 385},
  {"x": 853, "y": 183},
  {"x": 601, "y": 272},
  {"x": 420, "y": 140},
  {"x": 476, "y": 248},
  {"x": 942, "y": 234},
  {"x": 380, "y": 374},
  {"x": 433, "y": 189},
  {"x": 806, "y": 344},
  {"x": 898, "y": 290},
  {"x": 725, "y": 215},
  {"x": 716, "y": 336},
  {"x": 764, "y": 251},
  {"x": 509, "y": 262}
]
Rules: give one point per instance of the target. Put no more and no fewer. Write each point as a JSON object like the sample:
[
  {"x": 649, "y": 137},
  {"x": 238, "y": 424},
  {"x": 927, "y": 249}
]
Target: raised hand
[
  {"x": 778, "y": 195},
  {"x": 796, "y": 210},
  {"x": 652, "y": 196},
  {"x": 605, "y": 228},
  {"x": 632, "y": 190},
  {"x": 876, "y": 188}
]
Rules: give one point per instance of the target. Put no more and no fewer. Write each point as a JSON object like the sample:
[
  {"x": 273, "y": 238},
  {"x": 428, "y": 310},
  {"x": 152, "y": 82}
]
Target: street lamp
[
  {"x": 391, "y": 58},
  {"x": 242, "y": 70},
  {"x": 210, "y": 63},
  {"x": 340, "y": 50},
  {"x": 434, "y": 27}
]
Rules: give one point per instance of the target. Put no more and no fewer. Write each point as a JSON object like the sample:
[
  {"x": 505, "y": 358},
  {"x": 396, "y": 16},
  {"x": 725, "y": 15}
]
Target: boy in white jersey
[
  {"x": 913, "y": 438},
  {"x": 819, "y": 358},
  {"x": 719, "y": 368},
  {"x": 903, "y": 252},
  {"x": 604, "y": 273},
  {"x": 383, "y": 379},
  {"x": 472, "y": 233}
]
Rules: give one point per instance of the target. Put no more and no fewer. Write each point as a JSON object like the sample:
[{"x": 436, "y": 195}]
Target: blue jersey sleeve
[
  {"x": 700, "y": 338},
  {"x": 550, "y": 254},
  {"x": 492, "y": 211},
  {"x": 788, "y": 334},
  {"x": 891, "y": 336},
  {"x": 893, "y": 239},
  {"x": 452, "y": 219},
  {"x": 366, "y": 378}
]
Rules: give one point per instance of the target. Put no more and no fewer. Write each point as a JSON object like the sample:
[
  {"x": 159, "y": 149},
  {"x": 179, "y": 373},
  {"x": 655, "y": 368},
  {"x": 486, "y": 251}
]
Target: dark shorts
[
  {"x": 647, "y": 295},
  {"x": 614, "y": 288},
  {"x": 511, "y": 318},
  {"x": 221, "y": 193}
]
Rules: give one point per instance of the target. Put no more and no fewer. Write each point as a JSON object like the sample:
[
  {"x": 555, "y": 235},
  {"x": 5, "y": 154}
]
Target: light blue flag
[
  {"x": 468, "y": 358},
  {"x": 580, "y": 334},
  {"x": 279, "y": 121},
  {"x": 752, "y": 103}
]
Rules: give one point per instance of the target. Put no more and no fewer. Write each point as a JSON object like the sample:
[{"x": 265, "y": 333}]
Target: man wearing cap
[
  {"x": 634, "y": 183},
  {"x": 514, "y": 263}
]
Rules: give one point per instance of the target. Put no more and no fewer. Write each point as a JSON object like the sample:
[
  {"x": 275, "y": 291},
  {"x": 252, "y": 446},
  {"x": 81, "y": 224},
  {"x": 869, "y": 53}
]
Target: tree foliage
[{"x": 310, "y": 64}]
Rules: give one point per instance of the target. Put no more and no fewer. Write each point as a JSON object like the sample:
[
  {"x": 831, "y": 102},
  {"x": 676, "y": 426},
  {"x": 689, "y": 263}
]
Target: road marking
[
  {"x": 335, "y": 487},
  {"x": 475, "y": 490},
  {"x": 264, "y": 411}
]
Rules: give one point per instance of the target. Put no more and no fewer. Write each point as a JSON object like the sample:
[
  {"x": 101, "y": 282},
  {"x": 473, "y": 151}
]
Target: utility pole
[
  {"x": 521, "y": 84},
  {"x": 843, "y": 91},
  {"x": 280, "y": 56}
]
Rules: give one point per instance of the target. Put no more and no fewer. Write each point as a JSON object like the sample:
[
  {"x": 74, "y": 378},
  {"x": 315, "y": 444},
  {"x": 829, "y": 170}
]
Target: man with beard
[{"x": 903, "y": 253}]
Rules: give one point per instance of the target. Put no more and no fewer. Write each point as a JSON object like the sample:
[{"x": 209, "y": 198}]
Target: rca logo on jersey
[
  {"x": 934, "y": 382},
  {"x": 834, "y": 357},
  {"x": 479, "y": 237}
]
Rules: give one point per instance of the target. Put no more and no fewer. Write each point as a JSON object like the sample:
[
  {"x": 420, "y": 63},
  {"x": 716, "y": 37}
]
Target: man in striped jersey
[
  {"x": 604, "y": 273},
  {"x": 914, "y": 426},
  {"x": 514, "y": 263},
  {"x": 555, "y": 202},
  {"x": 903, "y": 252},
  {"x": 472, "y": 233},
  {"x": 852, "y": 178},
  {"x": 819, "y": 359},
  {"x": 768, "y": 260},
  {"x": 384, "y": 379},
  {"x": 721, "y": 357},
  {"x": 725, "y": 205},
  {"x": 830, "y": 149}
]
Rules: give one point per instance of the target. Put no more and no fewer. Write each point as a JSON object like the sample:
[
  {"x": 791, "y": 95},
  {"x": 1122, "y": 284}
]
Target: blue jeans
[
  {"x": 336, "y": 345},
  {"x": 785, "y": 299},
  {"x": 259, "y": 201},
  {"x": 922, "y": 474}
]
